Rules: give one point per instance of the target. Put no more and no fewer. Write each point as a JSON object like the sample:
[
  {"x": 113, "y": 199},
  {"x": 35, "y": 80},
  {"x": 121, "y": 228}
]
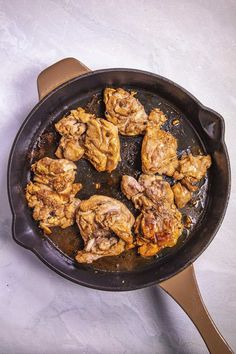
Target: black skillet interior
[{"x": 199, "y": 130}]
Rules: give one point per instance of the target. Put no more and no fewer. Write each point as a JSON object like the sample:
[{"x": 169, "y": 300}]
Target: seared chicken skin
[
  {"x": 52, "y": 193},
  {"x": 192, "y": 169},
  {"x": 102, "y": 145},
  {"x": 159, "y": 148},
  {"x": 125, "y": 111},
  {"x": 72, "y": 128},
  {"x": 158, "y": 228},
  {"x": 105, "y": 226},
  {"x": 160, "y": 223}
]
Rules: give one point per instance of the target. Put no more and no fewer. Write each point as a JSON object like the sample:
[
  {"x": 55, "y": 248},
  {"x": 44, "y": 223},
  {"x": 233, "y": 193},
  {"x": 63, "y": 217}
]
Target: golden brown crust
[{"x": 159, "y": 224}]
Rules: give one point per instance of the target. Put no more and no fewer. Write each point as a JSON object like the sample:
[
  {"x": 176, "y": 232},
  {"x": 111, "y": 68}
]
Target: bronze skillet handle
[
  {"x": 58, "y": 73},
  {"x": 183, "y": 288}
]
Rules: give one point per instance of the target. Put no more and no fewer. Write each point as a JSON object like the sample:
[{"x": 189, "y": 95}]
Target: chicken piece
[
  {"x": 182, "y": 195},
  {"x": 160, "y": 223},
  {"x": 159, "y": 152},
  {"x": 74, "y": 123},
  {"x": 72, "y": 128},
  {"x": 157, "y": 229},
  {"x": 102, "y": 145},
  {"x": 147, "y": 191},
  {"x": 59, "y": 175},
  {"x": 70, "y": 148},
  {"x": 51, "y": 208},
  {"x": 125, "y": 111},
  {"x": 52, "y": 193},
  {"x": 156, "y": 118},
  {"x": 192, "y": 169},
  {"x": 105, "y": 226}
]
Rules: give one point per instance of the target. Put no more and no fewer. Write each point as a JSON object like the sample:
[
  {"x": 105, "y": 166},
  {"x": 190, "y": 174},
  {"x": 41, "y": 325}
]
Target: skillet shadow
[{"x": 170, "y": 334}]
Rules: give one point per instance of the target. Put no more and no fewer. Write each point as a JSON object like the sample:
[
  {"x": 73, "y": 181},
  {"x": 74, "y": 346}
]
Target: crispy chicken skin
[
  {"x": 182, "y": 195},
  {"x": 192, "y": 169},
  {"x": 159, "y": 151},
  {"x": 102, "y": 144},
  {"x": 125, "y": 111},
  {"x": 52, "y": 193},
  {"x": 158, "y": 228},
  {"x": 160, "y": 223},
  {"x": 105, "y": 226},
  {"x": 72, "y": 127}
]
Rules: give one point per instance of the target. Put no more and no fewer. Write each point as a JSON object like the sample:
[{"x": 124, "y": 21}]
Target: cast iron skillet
[{"x": 200, "y": 128}]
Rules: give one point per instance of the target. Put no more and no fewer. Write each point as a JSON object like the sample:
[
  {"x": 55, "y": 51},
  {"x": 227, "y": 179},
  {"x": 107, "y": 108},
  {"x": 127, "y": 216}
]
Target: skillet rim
[{"x": 123, "y": 287}]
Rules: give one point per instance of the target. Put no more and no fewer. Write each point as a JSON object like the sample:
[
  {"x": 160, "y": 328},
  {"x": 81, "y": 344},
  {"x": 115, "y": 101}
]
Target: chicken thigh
[
  {"x": 72, "y": 128},
  {"x": 102, "y": 144},
  {"x": 160, "y": 223},
  {"x": 159, "y": 149},
  {"x": 192, "y": 169},
  {"x": 105, "y": 225},
  {"x": 52, "y": 193},
  {"x": 125, "y": 111}
]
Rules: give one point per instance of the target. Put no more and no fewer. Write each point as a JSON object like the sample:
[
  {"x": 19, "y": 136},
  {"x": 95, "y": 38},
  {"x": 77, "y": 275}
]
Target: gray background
[{"x": 190, "y": 42}]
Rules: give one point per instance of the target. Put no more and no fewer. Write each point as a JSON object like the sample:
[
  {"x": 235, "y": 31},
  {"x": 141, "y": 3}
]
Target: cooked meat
[
  {"x": 59, "y": 175},
  {"x": 52, "y": 193},
  {"x": 125, "y": 111},
  {"x": 192, "y": 169},
  {"x": 100, "y": 247},
  {"x": 159, "y": 225},
  {"x": 156, "y": 118},
  {"x": 182, "y": 195},
  {"x": 102, "y": 144},
  {"x": 70, "y": 148},
  {"x": 156, "y": 189},
  {"x": 71, "y": 128},
  {"x": 158, "y": 228},
  {"x": 130, "y": 186},
  {"x": 147, "y": 191},
  {"x": 73, "y": 123},
  {"x": 159, "y": 152},
  {"x": 105, "y": 226}
]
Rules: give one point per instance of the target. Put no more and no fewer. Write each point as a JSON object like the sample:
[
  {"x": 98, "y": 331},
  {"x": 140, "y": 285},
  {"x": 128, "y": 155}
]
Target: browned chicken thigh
[
  {"x": 105, "y": 225},
  {"x": 71, "y": 128},
  {"x": 102, "y": 145},
  {"x": 192, "y": 169},
  {"x": 158, "y": 228},
  {"x": 125, "y": 111},
  {"x": 159, "y": 148},
  {"x": 52, "y": 193},
  {"x": 160, "y": 223}
]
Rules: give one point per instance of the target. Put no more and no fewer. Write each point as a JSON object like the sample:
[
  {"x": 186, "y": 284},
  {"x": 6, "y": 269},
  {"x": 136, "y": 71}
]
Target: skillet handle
[
  {"x": 59, "y": 73},
  {"x": 183, "y": 288}
]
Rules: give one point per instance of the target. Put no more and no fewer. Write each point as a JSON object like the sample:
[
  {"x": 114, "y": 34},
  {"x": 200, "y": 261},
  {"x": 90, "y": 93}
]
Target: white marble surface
[{"x": 191, "y": 42}]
